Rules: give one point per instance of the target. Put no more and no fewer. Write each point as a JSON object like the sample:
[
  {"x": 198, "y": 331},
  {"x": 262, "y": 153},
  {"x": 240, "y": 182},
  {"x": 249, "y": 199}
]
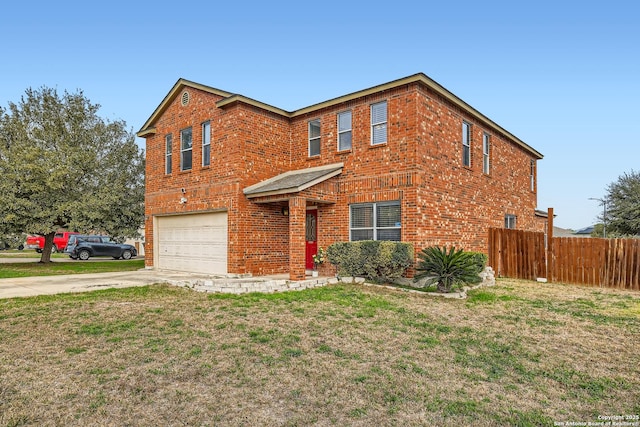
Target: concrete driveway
[{"x": 49, "y": 285}]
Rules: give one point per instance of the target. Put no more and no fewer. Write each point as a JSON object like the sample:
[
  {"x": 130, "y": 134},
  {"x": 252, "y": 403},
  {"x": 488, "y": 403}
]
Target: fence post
[{"x": 549, "y": 248}]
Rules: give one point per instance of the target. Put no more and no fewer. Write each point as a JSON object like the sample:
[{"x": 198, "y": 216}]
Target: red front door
[{"x": 311, "y": 237}]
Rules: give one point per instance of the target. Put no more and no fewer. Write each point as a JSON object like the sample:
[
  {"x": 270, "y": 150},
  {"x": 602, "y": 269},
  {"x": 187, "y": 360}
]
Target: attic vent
[{"x": 185, "y": 98}]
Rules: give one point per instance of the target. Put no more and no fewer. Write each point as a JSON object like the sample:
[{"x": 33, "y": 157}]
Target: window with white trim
[
  {"x": 344, "y": 131},
  {"x": 379, "y": 123},
  {"x": 314, "y": 138},
  {"x": 466, "y": 144},
  {"x": 375, "y": 221},
  {"x": 186, "y": 149},
  {"x": 168, "y": 148},
  {"x": 533, "y": 175},
  {"x": 206, "y": 143},
  {"x": 510, "y": 221},
  {"x": 486, "y": 146}
]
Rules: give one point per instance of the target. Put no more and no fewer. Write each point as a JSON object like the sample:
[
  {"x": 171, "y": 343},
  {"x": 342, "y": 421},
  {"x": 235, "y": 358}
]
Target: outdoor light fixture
[
  {"x": 285, "y": 211},
  {"x": 183, "y": 200}
]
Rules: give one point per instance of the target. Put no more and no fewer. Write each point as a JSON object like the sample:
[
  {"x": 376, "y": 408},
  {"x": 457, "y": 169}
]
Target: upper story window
[
  {"x": 206, "y": 143},
  {"x": 510, "y": 221},
  {"x": 186, "y": 149},
  {"x": 379, "y": 123},
  {"x": 533, "y": 175},
  {"x": 168, "y": 149},
  {"x": 344, "y": 131},
  {"x": 375, "y": 221},
  {"x": 466, "y": 144},
  {"x": 314, "y": 138},
  {"x": 486, "y": 147}
]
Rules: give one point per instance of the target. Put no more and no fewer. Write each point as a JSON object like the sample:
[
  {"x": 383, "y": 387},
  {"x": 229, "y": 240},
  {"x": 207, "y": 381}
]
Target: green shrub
[
  {"x": 448, "y": 269},
  {"x": 378, "y": 260},
  {"x": 480, "y": 260}
]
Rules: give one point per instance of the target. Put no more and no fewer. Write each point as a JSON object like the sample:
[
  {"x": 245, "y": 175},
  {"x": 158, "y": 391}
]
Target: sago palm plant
[{"x": 448, "y": 269}]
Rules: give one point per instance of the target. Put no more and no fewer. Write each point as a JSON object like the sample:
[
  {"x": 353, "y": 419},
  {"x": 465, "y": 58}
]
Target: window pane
[
  {"x": 379, "y": 113},
  {"x": 185, "y": 138},
  {"x": 466, "y": 155},
  {"x": 345, "y": 141},
  {"x": 388, "y": 215},
  {"x": 169, "y": 143},
  {"x": 168, "y": 149},
  {"x": 206, "y": 133},
  {"x": 206, "y": 155},
  {"x": 362, "y": 216},
  {"x": 510, "y": 221},
  {"x": 379, "y": 123},
  {"x": 186, "y": 160},
  {"x": 344, "y": 121},
  {"x": 314, "y": 147},
  {"x": 361, "y": 235},
  {"x": 465, "y": 133},
  {"x": 314, "y": 129},
  {"x": 186, "y": 142},
  {"x": 389, "y": 234},
  {"x": 379, "y": 134}
]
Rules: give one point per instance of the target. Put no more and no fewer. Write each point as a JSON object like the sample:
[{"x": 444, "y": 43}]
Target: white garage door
[{"x": 194, "y": 243}]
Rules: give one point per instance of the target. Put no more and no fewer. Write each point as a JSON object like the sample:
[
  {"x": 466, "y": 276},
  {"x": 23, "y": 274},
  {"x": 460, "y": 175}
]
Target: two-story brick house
[{"x": 234, "y": 185}]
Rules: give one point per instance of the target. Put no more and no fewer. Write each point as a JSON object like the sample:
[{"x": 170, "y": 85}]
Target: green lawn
[
  {"x": 517, "y": 354},
  {"x": 62, "y": 267},
  {"x": 28, "y": 253}
]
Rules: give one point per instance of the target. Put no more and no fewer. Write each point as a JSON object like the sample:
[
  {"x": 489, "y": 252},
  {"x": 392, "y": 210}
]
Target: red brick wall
[
  {"x": 457, "y": 204},
  {"x": 248, "y": 145},
  {"x": 443, "y": 203}
]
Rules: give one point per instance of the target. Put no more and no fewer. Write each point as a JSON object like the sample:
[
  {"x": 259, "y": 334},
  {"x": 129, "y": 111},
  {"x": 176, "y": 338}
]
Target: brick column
[{"x": 297, "y": 218}]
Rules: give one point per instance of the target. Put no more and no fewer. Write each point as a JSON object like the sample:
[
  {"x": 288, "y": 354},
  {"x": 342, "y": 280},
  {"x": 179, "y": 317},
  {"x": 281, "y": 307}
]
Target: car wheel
[
  {"x": 21, "y": 247},
  {"x": 39, "y": 251},
  {"x": 126, "y": 254},
  {"x": 84, "y": 254}
]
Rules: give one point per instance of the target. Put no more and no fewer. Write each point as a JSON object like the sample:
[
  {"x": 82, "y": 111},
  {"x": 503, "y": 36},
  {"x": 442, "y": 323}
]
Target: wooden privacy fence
[
  {"x": 612, "y": 263},
  {"x": 517, "y": 254}
]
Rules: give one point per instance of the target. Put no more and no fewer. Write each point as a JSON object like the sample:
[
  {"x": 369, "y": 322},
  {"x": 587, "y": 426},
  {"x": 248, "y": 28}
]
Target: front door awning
[{"x": 293, "y": 181}]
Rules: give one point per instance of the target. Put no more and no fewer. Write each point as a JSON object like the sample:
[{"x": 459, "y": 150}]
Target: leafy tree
[
  {"x": 448, "y": 269},
  {"x": 62, "y": 166},
  {"x": 12, "y": 241},
  {"x": 623, "y": 205}
]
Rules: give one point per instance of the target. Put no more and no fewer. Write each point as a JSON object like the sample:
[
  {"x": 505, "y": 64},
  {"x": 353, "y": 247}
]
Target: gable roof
[
  {"x": 177, "y": 88},
  {"x": 293, "y": 181},
  {"x": 421, "y": 78}
]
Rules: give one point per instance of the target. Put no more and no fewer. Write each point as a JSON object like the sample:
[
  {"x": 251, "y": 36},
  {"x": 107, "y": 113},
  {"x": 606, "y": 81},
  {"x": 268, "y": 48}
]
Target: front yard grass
[
  {"x": 27, "y": 269},
  {"x": 520, "y": 353}
]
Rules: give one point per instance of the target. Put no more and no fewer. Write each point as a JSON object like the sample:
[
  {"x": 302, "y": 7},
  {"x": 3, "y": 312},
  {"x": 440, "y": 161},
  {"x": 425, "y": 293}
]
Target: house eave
[
  {"x": 420, "y": 78},
  {"x": 148, "y": 129},
  {"x": 423, "y": 79},
  {"x": 233, "y": 99}
]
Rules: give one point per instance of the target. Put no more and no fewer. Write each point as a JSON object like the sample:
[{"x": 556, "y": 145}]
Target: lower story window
[
  {"x": 375, "y": 221},
  {"x": 510, "y": 221}
]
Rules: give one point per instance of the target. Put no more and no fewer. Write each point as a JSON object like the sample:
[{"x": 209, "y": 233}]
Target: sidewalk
[{"x": 49, "y": 285}]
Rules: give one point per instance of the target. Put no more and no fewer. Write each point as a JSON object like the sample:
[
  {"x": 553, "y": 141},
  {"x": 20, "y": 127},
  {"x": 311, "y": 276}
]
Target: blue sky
[{"x": 562, "y": 76}]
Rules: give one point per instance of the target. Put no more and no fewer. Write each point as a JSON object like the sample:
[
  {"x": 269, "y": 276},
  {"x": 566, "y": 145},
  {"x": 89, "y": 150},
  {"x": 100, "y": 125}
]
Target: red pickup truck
[{"x": 59, "y": 241}]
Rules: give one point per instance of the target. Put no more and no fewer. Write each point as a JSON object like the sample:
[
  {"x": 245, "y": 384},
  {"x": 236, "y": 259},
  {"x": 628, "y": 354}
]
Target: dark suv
[{"x": 85, "y": 246}]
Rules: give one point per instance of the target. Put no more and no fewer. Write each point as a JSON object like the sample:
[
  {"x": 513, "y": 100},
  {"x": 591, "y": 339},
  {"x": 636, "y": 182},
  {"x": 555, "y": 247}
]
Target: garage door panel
[{"x": 195, "y": 243}]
